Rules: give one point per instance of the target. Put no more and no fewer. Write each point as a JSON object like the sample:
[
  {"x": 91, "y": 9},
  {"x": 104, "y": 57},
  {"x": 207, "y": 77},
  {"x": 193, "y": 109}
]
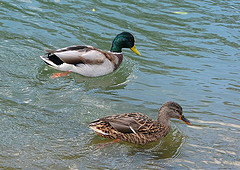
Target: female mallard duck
[
  {"x": 138, "y": 128},
  {"x": 89, "y": 61}
]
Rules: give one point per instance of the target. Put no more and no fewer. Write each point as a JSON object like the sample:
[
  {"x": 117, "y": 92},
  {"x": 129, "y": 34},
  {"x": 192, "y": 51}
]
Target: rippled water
[{"x": 190, "y": 54}]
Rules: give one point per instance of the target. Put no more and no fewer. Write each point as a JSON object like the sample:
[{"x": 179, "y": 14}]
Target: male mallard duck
[
  {"x": 138, "y": 128},
  {"x": 89, "y": 61}
]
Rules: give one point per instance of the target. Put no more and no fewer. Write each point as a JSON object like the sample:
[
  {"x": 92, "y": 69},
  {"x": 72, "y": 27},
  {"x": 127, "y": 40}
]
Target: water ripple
[{"x": 190, "y": 54}]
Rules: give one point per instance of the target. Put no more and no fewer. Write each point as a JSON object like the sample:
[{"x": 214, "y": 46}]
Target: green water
[{"x": 192, "y": 58}]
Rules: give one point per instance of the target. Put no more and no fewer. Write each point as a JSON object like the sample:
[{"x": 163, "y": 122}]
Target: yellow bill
[{"x": 134, "y": 49}]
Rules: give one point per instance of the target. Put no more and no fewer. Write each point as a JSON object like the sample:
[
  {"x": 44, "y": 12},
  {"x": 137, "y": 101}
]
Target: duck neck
[
  {"x": 163, "y": 117},
  {"x": 116, "y": 48}
]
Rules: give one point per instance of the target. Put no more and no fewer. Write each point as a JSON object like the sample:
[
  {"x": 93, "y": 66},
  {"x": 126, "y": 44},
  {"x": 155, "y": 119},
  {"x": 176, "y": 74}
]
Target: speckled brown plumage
[{"x": 137, "y": 127}]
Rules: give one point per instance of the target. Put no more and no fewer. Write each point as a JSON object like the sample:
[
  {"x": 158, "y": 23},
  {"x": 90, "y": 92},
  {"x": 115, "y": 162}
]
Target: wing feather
[
  {"x": 126, "y": 124},
  {"x": 78, "y": 55}
]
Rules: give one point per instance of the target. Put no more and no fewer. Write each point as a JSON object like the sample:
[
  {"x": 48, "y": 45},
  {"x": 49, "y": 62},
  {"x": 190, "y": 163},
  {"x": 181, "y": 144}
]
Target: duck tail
[{"x": 52, "y": 60}]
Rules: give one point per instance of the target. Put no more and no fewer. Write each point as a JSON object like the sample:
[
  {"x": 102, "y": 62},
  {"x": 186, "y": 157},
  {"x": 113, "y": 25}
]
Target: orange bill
[{"x": 185, "y": 120}]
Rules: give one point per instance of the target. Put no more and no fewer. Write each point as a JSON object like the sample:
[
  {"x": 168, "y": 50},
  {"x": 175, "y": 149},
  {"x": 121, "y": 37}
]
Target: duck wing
[
  {"x": 76, "y": 55},
  {"x": 125, "y": 125},
  {"x": 130, "y": 123}
]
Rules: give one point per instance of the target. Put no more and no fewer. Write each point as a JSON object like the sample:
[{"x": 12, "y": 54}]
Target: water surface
[{"x": 190, "y": 54}]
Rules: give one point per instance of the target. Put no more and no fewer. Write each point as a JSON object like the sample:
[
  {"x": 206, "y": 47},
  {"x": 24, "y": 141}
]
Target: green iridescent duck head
[{"x": 124, "y": 40}]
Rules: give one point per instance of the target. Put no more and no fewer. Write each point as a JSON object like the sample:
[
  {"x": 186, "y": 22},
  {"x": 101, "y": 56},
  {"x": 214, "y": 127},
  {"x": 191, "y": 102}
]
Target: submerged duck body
[
  {"x": 136, "y": 127},
  {"x": 89, "y": 61}
]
